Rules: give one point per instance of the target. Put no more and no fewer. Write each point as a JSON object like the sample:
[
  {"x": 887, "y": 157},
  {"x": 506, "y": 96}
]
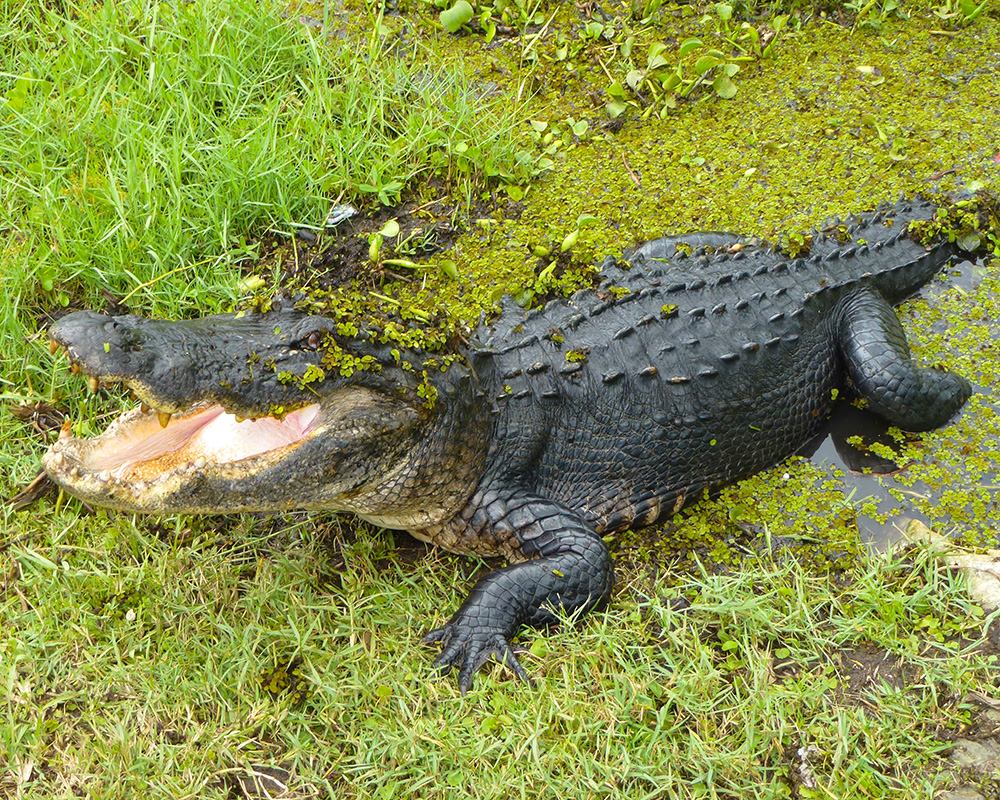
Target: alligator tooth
[
  {"x": 199, "y": 463},
  {"x": 163, "y": 417},
  {"x": 241, "y": 419},
  {"x": 58, "y": 459},
  {"x": 64, "y": 433},
  {"x": 53, "y": 346},
  {"x": 74, "y": 368},
  {"x": 93, "y": 384},
  {"x": 143, "y": 408}
]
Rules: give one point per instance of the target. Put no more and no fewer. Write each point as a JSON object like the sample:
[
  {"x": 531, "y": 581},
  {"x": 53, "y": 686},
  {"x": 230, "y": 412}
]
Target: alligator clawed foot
[{"x": 470, "y": 649}]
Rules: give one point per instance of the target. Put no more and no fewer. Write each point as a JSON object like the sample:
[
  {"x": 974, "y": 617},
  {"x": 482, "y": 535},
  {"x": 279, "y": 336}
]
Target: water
[{"x": 861, "y": 470}]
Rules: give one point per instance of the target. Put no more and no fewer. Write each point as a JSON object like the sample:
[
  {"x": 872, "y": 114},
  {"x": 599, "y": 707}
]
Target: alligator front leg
[
  {"x": 878, "y": 361},
  {"x": 568, "y": 571}
]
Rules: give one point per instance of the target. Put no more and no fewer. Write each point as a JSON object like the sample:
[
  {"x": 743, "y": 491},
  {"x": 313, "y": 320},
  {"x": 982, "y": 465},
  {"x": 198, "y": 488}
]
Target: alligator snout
[
  {"x": 253, "y": 364},
  {"x": 107, "y": 349},
  {"x": 86, "y": 335}
]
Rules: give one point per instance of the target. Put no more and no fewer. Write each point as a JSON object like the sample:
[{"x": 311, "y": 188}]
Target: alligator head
[{"x": 262, "y": 411}]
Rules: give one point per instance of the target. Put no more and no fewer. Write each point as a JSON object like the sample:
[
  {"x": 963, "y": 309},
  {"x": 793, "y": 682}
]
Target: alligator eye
[{"x": 311, "y": 342}]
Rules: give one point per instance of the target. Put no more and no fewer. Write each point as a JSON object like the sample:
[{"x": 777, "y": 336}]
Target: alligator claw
[{"x": 470, "y": 650}]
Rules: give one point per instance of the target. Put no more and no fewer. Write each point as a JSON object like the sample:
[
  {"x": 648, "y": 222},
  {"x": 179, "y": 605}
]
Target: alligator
[{"x": 696, "y": 361}]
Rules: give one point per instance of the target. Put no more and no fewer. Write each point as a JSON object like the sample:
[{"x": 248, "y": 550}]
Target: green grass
[
  {"x": 146, "y": 147},
  {"x": 132, "y": 665}
]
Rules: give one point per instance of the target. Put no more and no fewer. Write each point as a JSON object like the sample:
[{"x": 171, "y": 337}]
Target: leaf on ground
[
  {"x": 982, "y": 570},
  {"x": 724, "y": 87}
]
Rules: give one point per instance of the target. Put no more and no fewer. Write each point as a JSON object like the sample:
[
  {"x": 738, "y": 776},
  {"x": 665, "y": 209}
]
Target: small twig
[
  {"x": 632, "y": 175},
  {"x": 939, "y": 175},
  {"x": 12, "y": 542},
  {"x": 428, "y": 204},
  {"x": 606, "y": 72},
  {"x": 147, "y": 284},
  {"x": 536, "y": 36}
]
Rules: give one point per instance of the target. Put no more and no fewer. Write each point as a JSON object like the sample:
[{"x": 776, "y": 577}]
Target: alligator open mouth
[
  {"x": 147, "y": 446},
  {"x": 238, "y": 412},
  {"x": 138, "y": 447}
]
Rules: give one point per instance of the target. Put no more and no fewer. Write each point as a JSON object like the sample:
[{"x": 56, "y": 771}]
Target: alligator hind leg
[
  {"x": 878, "y": 361},
  {"x": 568, "y": 571}
]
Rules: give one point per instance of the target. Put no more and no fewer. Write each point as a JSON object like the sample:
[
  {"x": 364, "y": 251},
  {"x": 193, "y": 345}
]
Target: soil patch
[{"x": 341, "y": 252}]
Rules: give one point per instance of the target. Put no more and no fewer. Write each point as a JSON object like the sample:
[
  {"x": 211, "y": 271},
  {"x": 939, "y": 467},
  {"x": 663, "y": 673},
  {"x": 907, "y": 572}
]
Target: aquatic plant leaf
[
  {"x": 724, "y": 87},
  {"x": 455, "y": 17}
]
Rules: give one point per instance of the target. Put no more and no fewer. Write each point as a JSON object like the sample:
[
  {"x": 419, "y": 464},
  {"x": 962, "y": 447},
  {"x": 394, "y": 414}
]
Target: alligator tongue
[
  {"x": 225, "y": 439},
  {"x": 209, "y": 435}
]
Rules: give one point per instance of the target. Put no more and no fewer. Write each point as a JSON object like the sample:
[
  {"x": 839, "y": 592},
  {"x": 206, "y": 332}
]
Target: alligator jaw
[
  {"x": 146, "y": 453},
  {"x": 137, "y": 463}
]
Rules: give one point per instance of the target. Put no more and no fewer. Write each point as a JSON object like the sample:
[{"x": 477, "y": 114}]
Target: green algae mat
[{"x": 179, "y": 159}]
